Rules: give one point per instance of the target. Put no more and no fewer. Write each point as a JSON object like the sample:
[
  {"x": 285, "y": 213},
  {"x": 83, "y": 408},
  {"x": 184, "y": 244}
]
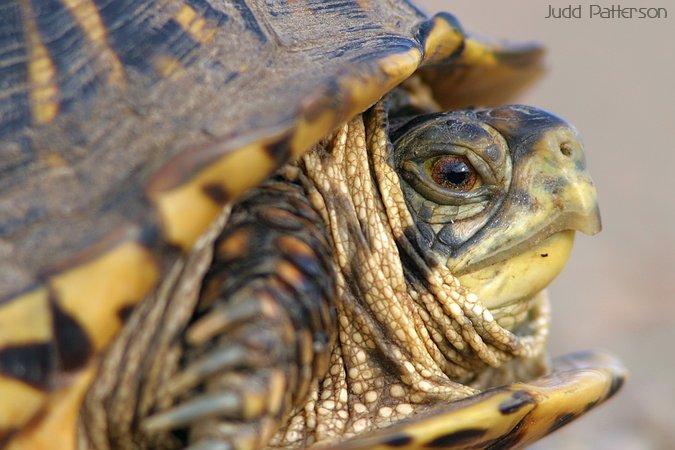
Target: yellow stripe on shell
[
  {"x": 169, "y": 67},
  {"x": 194, "y": 25},
  {"x": 477, "y": 53},
  {"x": 187, "y": 210},
  {"x": 25, "y": 320},
  {"x": 442, "y": 41},
  {"x": 57, "y": 428},
  {"x": 85, "y": 13},
  {"x": 41, "y": 71},
  {"x": 96, "y": 291},
  {"x": 19, "y": 403}
]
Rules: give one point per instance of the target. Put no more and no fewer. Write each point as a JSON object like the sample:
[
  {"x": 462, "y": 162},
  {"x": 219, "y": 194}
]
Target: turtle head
[{"x": 497, "y": 194}]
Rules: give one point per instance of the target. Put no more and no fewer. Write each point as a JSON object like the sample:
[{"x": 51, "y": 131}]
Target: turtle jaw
[{"x": 525, "y": 247}]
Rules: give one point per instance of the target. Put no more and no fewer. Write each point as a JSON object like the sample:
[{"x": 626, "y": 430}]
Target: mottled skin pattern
[{"x": 322, "y": 317}]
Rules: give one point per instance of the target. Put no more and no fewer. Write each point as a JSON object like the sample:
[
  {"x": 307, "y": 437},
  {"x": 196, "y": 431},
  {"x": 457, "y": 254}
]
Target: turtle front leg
[{"x": 261, "y": 330}]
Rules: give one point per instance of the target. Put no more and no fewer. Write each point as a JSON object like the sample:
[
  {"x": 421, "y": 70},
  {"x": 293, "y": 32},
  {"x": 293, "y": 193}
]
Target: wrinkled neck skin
[{"x": 409, "y": 334}]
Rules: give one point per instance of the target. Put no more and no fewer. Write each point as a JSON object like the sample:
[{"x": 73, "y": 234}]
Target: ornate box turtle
[{"x": 239, "y": 224}]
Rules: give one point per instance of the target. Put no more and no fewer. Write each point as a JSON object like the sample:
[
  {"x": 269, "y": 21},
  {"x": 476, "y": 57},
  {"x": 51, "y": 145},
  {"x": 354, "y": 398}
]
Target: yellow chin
[{"x": 523, "y": 275}]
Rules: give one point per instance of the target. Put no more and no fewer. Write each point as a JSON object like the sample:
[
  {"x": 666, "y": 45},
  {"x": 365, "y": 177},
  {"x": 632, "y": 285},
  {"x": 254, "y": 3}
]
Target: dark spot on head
[
  {"x": 544, "y": 255},
  {"x": 458, "y": 438},
  {"x": 566, "y": 149},
  {"x": 216, "y": 193},
  {"x": 73, "y": 346},
  {"x": 561, "y": 421},
  {"x": 520, "y": 196},
  {"x": 398, "y": 440},
  {"x": 518, "y": 400}
]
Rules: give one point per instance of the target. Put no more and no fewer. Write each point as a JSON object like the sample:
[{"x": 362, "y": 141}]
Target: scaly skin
[{"x": 330, "y": 310}]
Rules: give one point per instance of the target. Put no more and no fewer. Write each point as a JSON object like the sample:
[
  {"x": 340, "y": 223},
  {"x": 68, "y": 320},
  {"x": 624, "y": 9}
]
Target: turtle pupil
[{"x": 453, "y": 172}]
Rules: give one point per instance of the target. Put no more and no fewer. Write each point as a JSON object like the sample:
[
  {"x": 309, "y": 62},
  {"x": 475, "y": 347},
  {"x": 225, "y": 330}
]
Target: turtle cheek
[{"x": 523, "y": 275}]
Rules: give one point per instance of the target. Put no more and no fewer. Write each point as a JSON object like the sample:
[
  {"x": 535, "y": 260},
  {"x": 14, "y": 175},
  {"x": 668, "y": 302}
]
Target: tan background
[{"x": 615, "y": 80}]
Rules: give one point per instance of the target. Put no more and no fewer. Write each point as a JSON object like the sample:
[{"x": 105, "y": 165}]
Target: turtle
[{"x": 243, "y": 224}]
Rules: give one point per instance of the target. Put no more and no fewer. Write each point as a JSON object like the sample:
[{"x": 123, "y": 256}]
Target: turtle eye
[
  {"x": 448, "y": 178},
  {"x": 452, "y": 172}
]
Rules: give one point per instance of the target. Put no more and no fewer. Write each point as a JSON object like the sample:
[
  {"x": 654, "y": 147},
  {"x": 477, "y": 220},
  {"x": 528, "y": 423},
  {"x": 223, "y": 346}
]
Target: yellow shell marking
[
  {"x": 41, "y": 72},
  {"x": 86, "y": 15},
  {"x": 56, "y": 430},
  {"x": 442, "y": 41},
  {"x": 169, "y": 67},
  {"x": 19, "y": 402},
  {"x": 97, "y": 290},
  {"x": 477, "y": 53},
  {"x": 194, "y": 25},
  {"x": 572, "y": 397},
  {"x": 25, "y": 320},
  {"x": 187, "y": 211}
]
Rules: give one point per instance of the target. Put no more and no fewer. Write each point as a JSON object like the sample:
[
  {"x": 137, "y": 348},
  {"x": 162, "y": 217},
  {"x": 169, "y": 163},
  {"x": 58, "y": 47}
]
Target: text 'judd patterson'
[{"x": 605, "y": 12}]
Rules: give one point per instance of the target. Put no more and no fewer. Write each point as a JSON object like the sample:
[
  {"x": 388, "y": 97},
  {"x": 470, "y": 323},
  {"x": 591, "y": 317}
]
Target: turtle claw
[
  {"x": 253, "y": 403},
  {"x": 217, "y": 361},
  {"x": 204, "y": 407}
]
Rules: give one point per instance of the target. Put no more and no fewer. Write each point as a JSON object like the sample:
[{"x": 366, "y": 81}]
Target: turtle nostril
[{"x": 566, "y": 149}]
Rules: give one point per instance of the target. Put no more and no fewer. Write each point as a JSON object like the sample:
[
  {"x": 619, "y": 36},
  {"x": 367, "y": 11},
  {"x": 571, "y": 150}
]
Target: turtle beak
[
  {"x": 549, "y": 163},
  {"x": 529, "y": 240}
]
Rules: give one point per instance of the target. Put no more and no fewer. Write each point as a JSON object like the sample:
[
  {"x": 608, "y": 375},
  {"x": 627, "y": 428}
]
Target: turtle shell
[{"x": 126, "y": 126}]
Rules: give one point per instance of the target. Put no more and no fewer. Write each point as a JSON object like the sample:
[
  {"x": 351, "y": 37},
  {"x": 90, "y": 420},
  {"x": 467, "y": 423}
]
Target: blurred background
[{"x": 615, "y": 80}]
